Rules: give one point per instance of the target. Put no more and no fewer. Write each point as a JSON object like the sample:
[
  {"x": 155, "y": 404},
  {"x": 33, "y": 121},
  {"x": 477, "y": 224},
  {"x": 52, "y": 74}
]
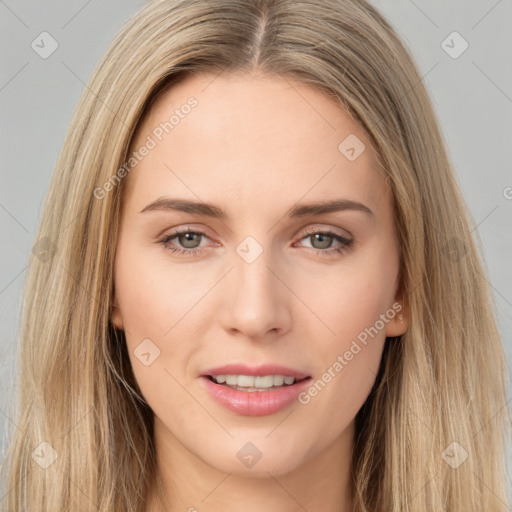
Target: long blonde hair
[{"x": 83, "y": 439}]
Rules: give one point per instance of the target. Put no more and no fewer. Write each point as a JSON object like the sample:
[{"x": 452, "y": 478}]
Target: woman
[{"x": 254, "y": 282}]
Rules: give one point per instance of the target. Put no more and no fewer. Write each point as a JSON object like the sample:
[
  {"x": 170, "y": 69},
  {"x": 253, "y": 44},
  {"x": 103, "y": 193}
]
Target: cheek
[
  {"x": 354, "y": 306},
  {"x": 350, "y": 296},
  {"x": 154, "y": 303},
  {"x": 153, "y": 295},
  {"x": 351, "y": 332}
]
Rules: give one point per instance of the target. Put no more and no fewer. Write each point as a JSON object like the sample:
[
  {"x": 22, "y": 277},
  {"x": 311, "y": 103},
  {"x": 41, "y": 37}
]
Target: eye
[
  {"x": 187, "y": 242},
  {"x": 188, "y": 239},
  {"x": 322, "y": 241}
]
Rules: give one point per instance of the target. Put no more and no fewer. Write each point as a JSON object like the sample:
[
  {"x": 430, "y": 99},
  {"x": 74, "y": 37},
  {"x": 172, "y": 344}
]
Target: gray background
[{"x": 472, "y": 95}]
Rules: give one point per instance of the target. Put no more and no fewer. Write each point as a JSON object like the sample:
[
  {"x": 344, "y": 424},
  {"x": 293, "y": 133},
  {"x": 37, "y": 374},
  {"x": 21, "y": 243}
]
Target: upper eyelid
[
  {"x": 313, "y": 231},
  {"x": 302, "y": 235},
  {"x": 316, "y": 229}
]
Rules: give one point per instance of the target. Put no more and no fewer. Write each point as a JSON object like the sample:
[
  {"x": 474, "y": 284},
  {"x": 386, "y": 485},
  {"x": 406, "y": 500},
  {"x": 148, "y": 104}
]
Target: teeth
[
  {"x": 278, "y": 380},
  {"x": 246, "y": 381},
  {"x": 232, "y": 380},
  {"x": 250, "y": 381}
]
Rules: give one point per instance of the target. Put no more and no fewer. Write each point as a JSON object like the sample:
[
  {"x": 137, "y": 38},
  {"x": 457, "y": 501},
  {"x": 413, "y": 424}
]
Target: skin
[{"x": 255, "y": 146}]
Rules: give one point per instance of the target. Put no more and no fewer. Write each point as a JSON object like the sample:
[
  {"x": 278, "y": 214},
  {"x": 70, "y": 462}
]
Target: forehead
[{"x": 254, "y": 138}]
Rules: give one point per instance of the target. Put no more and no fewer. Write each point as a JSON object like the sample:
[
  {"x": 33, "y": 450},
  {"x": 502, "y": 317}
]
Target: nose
[{"x": 257, "y": 302}]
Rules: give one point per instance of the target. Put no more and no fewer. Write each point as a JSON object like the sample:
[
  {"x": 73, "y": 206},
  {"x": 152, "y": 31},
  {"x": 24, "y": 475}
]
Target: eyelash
[{"x": 345, "y": 243}]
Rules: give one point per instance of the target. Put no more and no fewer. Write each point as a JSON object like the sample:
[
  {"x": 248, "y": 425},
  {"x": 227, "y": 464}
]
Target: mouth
[
  {"x": 254, "y": 391},
  {"x": 255, "y": 383}
]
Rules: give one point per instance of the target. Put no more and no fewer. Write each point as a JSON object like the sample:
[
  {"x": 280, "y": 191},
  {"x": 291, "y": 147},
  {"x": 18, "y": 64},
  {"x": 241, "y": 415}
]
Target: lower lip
[{"x": 254, "y": 403}]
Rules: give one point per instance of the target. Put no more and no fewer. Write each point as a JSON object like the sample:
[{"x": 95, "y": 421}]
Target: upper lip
[{"x": 264, "y": 369}]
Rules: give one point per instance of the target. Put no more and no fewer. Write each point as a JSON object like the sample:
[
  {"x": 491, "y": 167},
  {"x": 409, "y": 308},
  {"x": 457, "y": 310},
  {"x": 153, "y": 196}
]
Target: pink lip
[
  {"x": 265, "y": 369},
  {"x": 254, "y": 403}
]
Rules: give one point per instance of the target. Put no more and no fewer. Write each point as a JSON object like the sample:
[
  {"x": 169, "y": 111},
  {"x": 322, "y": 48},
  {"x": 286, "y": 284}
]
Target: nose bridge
[
  {"x": 254, "y": 274},
  {"x": 254, "y": 280},
  {"x": 256, "y": 304}
]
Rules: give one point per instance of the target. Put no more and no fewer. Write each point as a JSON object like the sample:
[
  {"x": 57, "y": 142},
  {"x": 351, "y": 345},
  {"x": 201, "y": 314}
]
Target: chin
[{"x": 256, "y": 458}]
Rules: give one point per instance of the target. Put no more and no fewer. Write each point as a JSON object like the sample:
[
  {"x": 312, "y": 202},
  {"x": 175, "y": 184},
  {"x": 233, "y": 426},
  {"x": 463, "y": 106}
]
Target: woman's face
[{"x": 237, "y": 163}]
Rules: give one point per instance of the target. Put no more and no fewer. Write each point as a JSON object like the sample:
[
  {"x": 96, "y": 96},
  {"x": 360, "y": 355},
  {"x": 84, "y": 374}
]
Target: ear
[
  {"x": 399, "y": 323},
  {"x": 116, "y": 317}
]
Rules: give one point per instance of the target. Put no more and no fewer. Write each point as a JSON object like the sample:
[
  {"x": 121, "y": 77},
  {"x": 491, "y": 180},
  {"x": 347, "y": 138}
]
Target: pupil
[
  {"x": 188, "y": 238},
  {"x": 325, "y": 238}
]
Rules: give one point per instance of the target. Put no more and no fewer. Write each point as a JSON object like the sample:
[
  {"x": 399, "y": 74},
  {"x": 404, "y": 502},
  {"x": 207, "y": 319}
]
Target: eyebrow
[{"x": 296, "y": 211}]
